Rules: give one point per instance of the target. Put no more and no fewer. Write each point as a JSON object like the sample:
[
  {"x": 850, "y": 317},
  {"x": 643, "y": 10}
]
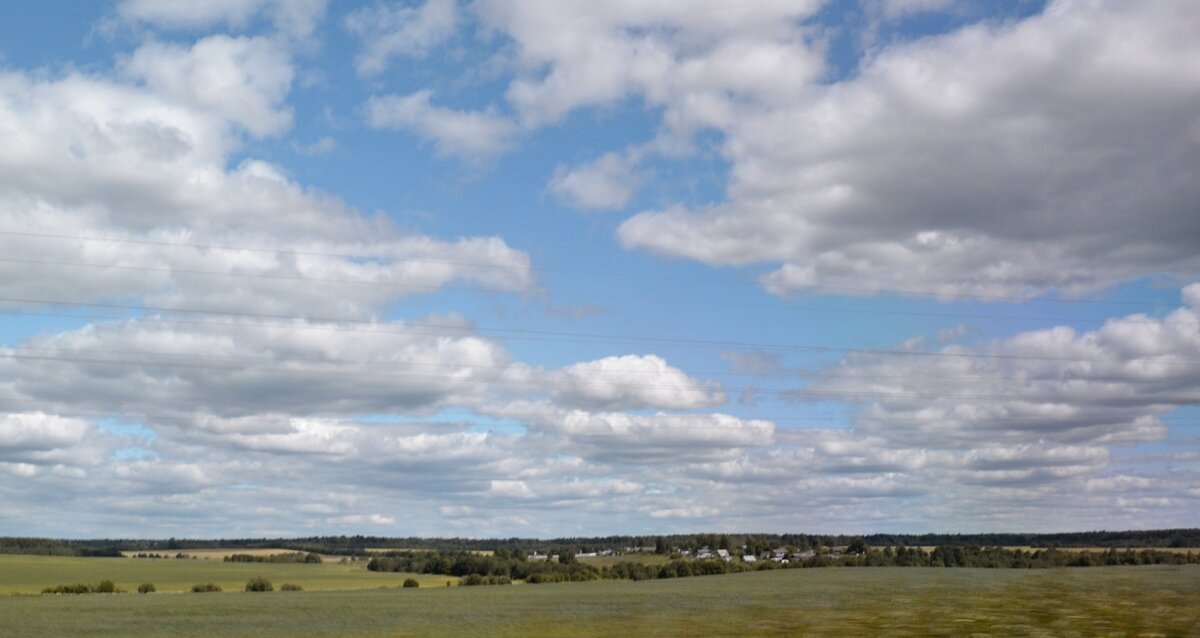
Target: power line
[
  {"x": 436, "y": 329},
  {"x": 588, "y": 272},
  {"x": 342, "y": 363},
  {"x": 439, "y": 417},
  {"x": 272, "y": 251},
  {"x": 790, "y": 393},
  {"x": 244, "y": 275},
  {"x": 433, "y": 287}
]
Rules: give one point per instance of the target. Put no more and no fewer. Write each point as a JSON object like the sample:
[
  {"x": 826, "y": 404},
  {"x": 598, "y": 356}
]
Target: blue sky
[{"x": 511, "y": 267}]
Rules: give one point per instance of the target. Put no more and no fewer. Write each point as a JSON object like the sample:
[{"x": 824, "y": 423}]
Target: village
[{"x": 782, "y": 555}]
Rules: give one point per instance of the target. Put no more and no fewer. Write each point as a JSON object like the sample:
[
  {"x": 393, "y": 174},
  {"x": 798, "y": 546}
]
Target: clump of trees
[
  {"x": 202, "y": 588},
  {"x": 411, "y": 582},
  {"x": 178, "y": 555},
  {"x": 1002, "y": 557},
  {"x": 463, "y": 564},
  {"x": 472, "y": 580},
  {"x": 290, "y": 557},
  {"x": 103, "y": 587},
  {"x": 146, "y": 588},
  {"x": 258, "y": 583},
  {"x": 290, "y": 587}
]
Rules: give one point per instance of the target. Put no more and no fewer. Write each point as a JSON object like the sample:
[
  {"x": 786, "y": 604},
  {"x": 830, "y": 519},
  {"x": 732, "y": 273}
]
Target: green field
[
  {"x": 1100, "y": 601},
  {"x": 30, "y": 574}
]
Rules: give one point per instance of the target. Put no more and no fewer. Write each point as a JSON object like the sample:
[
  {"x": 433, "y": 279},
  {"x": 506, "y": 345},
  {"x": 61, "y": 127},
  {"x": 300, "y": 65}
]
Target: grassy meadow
[{"x": 1098, "y": 601}]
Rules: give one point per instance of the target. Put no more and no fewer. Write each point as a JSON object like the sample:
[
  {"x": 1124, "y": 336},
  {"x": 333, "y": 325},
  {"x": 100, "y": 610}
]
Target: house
[
  {"x": 749, "y": 558},
  {"x": 723, "y": 554}
]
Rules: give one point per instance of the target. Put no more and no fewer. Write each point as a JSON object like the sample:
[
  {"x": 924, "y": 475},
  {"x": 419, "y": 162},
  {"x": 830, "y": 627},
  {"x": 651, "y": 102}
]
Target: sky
[{"x": 545, "y": 268}]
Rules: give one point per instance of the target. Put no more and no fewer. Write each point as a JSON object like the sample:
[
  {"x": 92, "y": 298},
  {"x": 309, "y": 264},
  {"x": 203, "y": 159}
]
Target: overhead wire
[
  {"x": 339, "y": 363},
  {"x": 442, "y": 285},
  {"x": 588, "y": 272},
  {"x": 343, "y": 374},
  {"x": 441, "y": 417},
  {"x": 432, "y": 329}
]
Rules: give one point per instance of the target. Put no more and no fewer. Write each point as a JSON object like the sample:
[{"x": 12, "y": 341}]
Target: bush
[
  {"x": 478, "y": 579},
  {"x": 258, "y": 583},
  {"x": 411, "y": 582},
  {"x": 78, "y": 588},
  {"x": 290, "y": 557},
  {"x": 290, "y": 587},
  {"x": 146, "y": 588},
  {"x": 103, "y": 587},
  {"x": 201, "y": 588}
]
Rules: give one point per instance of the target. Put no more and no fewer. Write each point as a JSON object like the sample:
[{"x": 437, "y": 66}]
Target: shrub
[
  {"x": 78, "y": 588},
  {"x": 103, "y": 587},
  {"x": 201, "y": 588},
  {"x": 411, "y": 582},
  {"x": 478, "y": 579},
  {"x": 290, "y": 587},
  {"x": 146, "y": 588},
  {"x": 258, "y": 583},
  {"x": 290, "y": 557}
]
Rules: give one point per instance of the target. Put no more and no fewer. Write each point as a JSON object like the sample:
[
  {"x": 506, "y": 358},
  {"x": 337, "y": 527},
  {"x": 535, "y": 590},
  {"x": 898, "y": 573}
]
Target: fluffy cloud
[
  {"x": 622, "y": 437},
  {"x": 993, "y": 159},
  {"x": 292, "y": 17},
  {"x": 469, "y": 134},
  {"x": 1105, "y": 386},
  {"x": 577, "y": 54},
  {"x": 145, "y": 164},
  {"x": 394, "y": 30},
  {"x": 608, "y": 182},
  {"x": 1003, "y": 429},
  {"x": 241, "y": 80},
  {"x": 1009, "y": 426},
  {"x": 685, "y": 57},
  {"x": 630, "y": 382},
  {"x": 251, "y": 367},
  {"x": 25, "y": 433}
]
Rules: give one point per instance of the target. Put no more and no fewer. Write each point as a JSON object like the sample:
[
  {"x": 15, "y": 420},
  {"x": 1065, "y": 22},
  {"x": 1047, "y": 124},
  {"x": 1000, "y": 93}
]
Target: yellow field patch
[
  {"x": 218, "y": 554},
  {"x": 20, "y": 574}
]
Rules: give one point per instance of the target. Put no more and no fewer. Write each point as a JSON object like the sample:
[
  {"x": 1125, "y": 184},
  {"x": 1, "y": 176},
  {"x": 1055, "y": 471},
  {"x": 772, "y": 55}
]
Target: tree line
[
  {"x": 290, "y": 557},
  {"x": 753, "y": 543},
  {"x": 502, "y": 564},
  {"x": 509, "y": 566}
]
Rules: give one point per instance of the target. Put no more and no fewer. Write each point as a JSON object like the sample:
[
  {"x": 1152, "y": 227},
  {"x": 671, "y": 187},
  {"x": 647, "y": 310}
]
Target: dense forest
[{"x": 359, "y": 545}]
